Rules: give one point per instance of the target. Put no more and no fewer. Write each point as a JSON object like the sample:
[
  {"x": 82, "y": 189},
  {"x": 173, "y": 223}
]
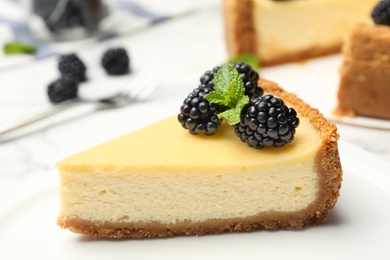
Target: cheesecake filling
[
  {"x": 186, "y": 189},
  {"x": 175, "y": 197},
  {"x": 287, "y": 27}
]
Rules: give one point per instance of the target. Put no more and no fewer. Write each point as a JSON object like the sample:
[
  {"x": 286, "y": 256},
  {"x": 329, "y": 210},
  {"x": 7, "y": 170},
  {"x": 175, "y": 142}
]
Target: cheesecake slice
[
  {"x": 364, "y": 88},
  {"x": 286, "y": 31},
  {"x": 161, "y": 181}
]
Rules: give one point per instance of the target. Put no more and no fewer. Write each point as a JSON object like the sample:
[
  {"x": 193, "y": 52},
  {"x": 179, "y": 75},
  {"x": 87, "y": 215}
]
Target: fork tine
[
  {"x": 144, "y": 83},
  {"x": 149, "y": 86},
  {"x": 132, "y": 83}
]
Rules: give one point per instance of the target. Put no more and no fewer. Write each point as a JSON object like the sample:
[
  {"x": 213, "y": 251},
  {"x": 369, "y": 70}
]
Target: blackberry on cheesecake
[
  {"x": 200, "y": 116},
  {"x": 267, "y": 121}
]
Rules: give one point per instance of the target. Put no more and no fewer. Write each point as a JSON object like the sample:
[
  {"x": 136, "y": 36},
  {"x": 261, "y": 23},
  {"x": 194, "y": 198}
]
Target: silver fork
[{"x": 139, "y": 87}]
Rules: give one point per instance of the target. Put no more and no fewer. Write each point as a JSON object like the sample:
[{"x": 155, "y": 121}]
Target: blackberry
[
  {"x": 116, "y": 61},
  {"x": 381, "y": 13},
  {"x": 62, "y": 89},
  {"x": 198, "y": 115},
  {"x": 266, "y": 121},
  {"x": 250, "y": 78},
  {"x": 71, "y": 66},
  {"x": 248, "y": 75}
]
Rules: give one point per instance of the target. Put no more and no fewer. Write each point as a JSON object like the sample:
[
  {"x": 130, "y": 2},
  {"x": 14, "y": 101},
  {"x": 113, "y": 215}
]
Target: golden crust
[
  {"x": 240, "y": 33},
  {"x": 327, "y": 164},
  {"x": 327, "y": 159},
  {"x": 269, "y": 221},
  {"x": 365, "y": 73}
]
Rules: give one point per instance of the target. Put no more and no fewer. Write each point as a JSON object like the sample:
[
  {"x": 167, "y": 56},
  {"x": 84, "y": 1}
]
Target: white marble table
[{"x": 186, "y": 46}]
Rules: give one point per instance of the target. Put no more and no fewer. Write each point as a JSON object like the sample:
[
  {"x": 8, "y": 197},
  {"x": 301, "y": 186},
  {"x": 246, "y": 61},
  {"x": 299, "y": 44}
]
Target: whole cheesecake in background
[
  {"x": 364, "y": 88},
  {"x": 162, "y": 181},
  {"x": 287, "y": 31}
]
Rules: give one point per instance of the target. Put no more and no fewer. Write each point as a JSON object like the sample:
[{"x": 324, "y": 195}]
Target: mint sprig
[
  {"x": 249, "y": 59},
  {"x": 19, "y": 47},
  {"x": 229, "y": 91}
]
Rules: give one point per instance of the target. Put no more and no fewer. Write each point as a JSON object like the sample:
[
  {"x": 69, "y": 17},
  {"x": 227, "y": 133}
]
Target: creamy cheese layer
[
  {"x": 162, "y": 173},
  {"x": 285, "y": 27}
]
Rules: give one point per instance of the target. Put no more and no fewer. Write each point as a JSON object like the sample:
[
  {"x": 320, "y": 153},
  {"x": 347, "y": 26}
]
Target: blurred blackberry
[
  {"x": 62, "y": 89},
  {"x": 266, "y": 121},
  {"x": 70, "y": 65},
  {"x": 198, "y": 115},
  {"x": 116, "y": 61},
  {"x": 381, "y": 13}
]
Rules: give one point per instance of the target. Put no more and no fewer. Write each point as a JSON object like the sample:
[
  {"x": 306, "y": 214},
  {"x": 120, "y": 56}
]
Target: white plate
[
  {"x": 361, "y": 121},
  {"x": 358, "y": 227},
  {"x": 316, "y": 81}
]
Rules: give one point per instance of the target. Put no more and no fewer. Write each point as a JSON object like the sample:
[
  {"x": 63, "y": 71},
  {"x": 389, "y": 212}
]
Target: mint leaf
[
  {"x": 224, "y": 77},
  {"x": 19, "y": 47},
  {"x": 242, "y": 102},
  {"x": 216, "y": 97},
  {"x": 233, "y": 114},
  {"x": 229, "y": 91},
  {"x": 248, "y": 59}
]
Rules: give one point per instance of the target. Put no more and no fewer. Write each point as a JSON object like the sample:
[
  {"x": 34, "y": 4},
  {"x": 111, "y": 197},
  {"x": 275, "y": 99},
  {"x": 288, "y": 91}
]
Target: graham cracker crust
[
  {"x": 327, "y": 164},
  {"x": 240, "y": 32},
  {"x": 365, "y": 73},
  {"x": 269, "y": 221}
]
